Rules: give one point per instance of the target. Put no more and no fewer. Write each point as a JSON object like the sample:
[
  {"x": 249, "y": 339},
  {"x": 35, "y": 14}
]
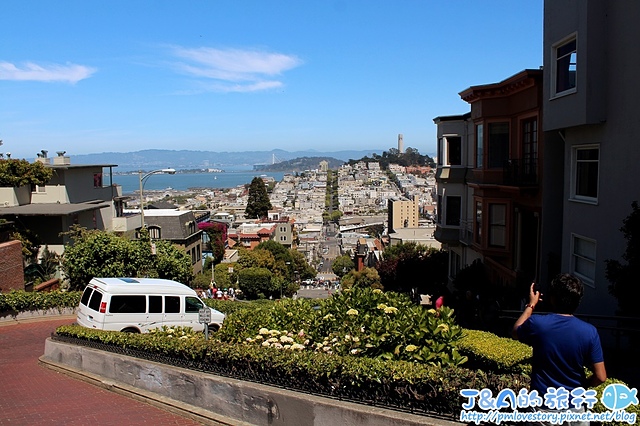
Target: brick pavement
[{"x": 31, "y": 394}]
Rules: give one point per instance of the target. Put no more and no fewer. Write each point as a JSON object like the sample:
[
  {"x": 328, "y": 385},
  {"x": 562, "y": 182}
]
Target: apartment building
[
  {"x": 402, "y": 213},
  {"x": 489, "y": 195},
  {"x": 590, "y": 130},
  {"x": 77, "y": 194},
  {"x": 454, "y": 205},
  {"x": 181, "y": 228}
]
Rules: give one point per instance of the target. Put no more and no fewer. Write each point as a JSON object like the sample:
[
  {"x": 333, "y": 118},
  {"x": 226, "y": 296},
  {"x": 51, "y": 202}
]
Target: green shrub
[
  {"x": 600, "y": 408},
  {"x": 489, "y": 352},
  {"x": 358, "y": 321},
  {"x": 18, "y": 301},
  {"x": 403, "y": 383}
]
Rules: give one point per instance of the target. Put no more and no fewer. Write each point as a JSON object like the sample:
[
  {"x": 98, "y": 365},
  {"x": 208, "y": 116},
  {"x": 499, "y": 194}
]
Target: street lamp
[{"x": 142, "y": 182}]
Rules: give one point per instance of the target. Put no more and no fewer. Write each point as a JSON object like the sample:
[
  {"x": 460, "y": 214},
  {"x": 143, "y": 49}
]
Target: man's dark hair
[{"x": 566, "y": 292}]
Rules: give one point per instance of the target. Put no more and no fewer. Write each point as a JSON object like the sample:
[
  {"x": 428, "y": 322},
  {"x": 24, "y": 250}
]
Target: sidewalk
[{"x": 31, "y": 394}]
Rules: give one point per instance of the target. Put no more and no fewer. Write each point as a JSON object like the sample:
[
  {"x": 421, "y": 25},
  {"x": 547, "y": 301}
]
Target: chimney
[
  {"x": 42, "y": 157},
  {"x": 61, "y": 159}
]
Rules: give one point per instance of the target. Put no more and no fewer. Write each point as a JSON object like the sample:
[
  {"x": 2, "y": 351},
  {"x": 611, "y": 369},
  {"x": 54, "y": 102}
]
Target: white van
[{"x": 137, "y": 305}]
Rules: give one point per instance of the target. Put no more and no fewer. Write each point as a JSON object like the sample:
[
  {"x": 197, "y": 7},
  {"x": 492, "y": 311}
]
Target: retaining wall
[{"x": 214, "y": 399}]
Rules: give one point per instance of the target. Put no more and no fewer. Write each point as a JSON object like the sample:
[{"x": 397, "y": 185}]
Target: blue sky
[{"x": 237, "y": 75}]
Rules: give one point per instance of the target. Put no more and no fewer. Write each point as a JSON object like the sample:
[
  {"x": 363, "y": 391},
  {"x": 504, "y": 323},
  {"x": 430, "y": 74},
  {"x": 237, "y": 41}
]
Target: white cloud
[
  {"x": 68, "y": 73},
  {"x": 235, "y": 70}
]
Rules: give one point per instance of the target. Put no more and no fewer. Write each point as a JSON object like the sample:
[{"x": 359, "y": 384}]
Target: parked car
[{"x": 138, "y": 305}]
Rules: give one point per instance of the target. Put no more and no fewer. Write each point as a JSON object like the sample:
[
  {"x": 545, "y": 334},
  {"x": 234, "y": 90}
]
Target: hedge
[{"x": 18, "y": 301}]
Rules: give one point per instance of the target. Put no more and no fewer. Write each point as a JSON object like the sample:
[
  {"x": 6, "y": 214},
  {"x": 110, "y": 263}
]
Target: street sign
[{"x": 204, "y": 316}]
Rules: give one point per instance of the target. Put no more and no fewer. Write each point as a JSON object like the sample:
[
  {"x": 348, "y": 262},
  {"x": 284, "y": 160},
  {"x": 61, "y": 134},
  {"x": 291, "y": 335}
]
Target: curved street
[{"x": 31, "y": 394}]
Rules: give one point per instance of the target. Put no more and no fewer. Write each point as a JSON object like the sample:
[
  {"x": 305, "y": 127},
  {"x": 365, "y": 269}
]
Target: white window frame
[
  {"x": 155, "y": 232},
  {"x": 589, "y": 281},
  {"x": 574, "y": 170},
  {"x": 554, "y": 67}
]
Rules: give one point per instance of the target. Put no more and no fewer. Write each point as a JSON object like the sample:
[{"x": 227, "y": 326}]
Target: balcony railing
[
  {"x": 466, "y": 232},
  {"x": 519, "y": 172}
]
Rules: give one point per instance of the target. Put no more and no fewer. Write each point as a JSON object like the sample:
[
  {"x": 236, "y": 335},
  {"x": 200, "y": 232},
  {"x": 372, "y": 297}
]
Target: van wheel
[
  {"x": 214, "y": 327},
  {"x": 131, "y": 330}
]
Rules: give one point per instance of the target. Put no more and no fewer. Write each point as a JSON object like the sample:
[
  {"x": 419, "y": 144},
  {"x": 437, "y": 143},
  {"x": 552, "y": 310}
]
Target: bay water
[{"x": 184, "y": 181}]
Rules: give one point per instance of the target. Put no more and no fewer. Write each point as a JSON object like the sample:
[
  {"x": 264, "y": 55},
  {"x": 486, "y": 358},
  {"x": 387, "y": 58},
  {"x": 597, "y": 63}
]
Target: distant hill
[
  {"x": 230, "y": 161},
  {"x": 300, "y": 164}
]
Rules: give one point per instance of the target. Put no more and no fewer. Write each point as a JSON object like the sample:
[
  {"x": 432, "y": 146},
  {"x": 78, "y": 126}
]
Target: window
[
  {"x": 498, "y": 225},
  {"x": 86, "y": 295},
  {"x": 478, "y": 224},
  {"x": 565, "y": 55},
  {"x": 440, "y": 151},
  {"x": 530, "y": 147},
  {"x": 498, "y": 145},
  {"x": 585, "y": 173},
  {"x": 155, "y": 304},
  {"x": 191, "y": 227},
  {"x": 96, "y": 300},
  {"x": 439, "y": 208},
  {"x": 192, "y": 304},
  {"x": 454, "y": 264},
  {"x": 583, "y": 258},
  {"x": 453, "y": 211},
  {"x": 172, "y": 304},
  {"x": 454, "y": 150},
  {"x": 479, "y": 145},
  {"x": 129, "y": 304},
  {"x": 154, "y": 232}
]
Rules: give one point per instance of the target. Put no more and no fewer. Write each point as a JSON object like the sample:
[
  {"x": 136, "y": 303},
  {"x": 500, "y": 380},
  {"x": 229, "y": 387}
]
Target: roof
[
  {"x": 142, "y": 286},
  {"x": 53, "y": 209},
  {"x": 78, "y": 166},
  {"x": 173, "y": 224}
]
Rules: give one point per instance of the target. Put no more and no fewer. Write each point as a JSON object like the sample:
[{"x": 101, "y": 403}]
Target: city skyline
[{"x": 237, "y": 76}]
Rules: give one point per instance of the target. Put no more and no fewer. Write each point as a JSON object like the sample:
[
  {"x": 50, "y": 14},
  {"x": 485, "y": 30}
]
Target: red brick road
[{"x": 31, "y": 394}]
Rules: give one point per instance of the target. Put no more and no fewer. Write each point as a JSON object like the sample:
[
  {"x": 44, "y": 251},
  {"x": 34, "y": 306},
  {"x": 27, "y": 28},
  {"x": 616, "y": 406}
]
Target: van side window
[
  {"x": 155, "y": 304},
  {"x": 129, "y": 304},
  {"x": 94, "y": 303},
  {"x": 172, "y": 304},
  {"x": 192, "y": 304},
  {"x": 86, "y": 295}
]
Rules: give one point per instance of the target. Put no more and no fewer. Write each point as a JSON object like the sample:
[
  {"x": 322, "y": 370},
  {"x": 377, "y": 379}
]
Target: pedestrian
[{"x": 563, "y": 345}]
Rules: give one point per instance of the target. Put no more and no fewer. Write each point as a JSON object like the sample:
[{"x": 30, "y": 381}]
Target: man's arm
[
  {"x": 534, "y": 298},
  {"x": 599, "y": 375}
]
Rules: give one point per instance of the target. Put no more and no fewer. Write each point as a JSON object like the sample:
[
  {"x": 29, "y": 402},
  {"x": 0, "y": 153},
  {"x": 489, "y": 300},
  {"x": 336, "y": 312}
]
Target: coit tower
[{"x": 400, "y": 144}]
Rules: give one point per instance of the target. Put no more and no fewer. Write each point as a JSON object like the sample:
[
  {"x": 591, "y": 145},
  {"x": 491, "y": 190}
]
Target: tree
[
  {"x": 97, "y": 253},
  {"x": 256, "y": 283},
  {"x": 14, "y": 173},
  {"x": 342, "y": 265},
  {"x": 410, "y": 266},
  {"x": 367, "y": 277},
  {"x": 217, "y": 233},
  {"x": 258, "y": 204},
  {"x": 624, "y": 277}
]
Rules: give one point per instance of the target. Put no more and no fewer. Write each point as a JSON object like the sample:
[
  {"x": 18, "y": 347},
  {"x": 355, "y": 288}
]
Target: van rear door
[{"x": 91, "y": 310}]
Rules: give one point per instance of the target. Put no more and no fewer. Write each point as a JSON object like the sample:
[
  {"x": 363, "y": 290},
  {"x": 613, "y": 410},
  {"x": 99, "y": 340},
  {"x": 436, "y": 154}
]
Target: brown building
[{"x": 506, "y": 175}]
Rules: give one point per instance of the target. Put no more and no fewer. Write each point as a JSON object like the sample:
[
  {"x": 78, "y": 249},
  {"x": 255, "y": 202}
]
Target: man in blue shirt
[{"x": 563, "y": 345}]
